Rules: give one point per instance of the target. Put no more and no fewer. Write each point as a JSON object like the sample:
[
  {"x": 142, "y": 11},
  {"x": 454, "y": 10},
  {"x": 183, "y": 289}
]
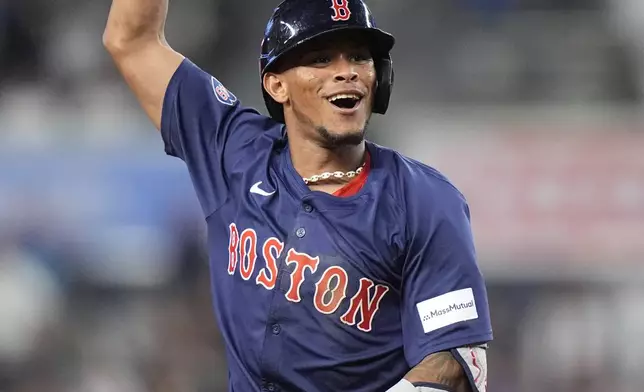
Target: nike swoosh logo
[{"x": 256, "y": 189}]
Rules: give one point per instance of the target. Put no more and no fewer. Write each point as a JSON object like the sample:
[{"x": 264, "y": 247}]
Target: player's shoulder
[
  {"x": 203, "y": 92},
  {"x": 415, "y": 185}
]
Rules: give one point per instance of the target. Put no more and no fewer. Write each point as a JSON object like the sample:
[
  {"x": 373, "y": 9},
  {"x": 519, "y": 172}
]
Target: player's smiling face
[{"x": 327, "y": 89}]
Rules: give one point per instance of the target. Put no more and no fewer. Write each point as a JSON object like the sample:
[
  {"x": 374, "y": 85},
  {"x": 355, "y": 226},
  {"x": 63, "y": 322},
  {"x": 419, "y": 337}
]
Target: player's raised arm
[
  {"x": 201, "y": 121},
  {"x": 135, "y": 38}
]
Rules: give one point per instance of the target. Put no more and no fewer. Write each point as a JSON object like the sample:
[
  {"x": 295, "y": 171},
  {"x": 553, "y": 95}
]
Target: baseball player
[{"x": 336, "y": 264}]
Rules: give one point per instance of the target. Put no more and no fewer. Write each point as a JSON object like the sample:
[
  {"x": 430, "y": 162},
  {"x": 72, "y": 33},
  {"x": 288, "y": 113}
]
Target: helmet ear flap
[{"x": 385, "y": 84}]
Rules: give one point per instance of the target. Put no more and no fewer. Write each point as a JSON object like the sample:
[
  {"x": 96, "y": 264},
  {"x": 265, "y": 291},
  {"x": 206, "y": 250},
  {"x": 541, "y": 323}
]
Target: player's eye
[
  {"x": 320, "y": 59},
  {"x": 361, "y": 57}
]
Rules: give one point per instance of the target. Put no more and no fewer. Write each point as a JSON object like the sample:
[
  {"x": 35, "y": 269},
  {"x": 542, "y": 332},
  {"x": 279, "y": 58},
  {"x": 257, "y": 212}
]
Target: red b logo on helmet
[{"x": 341, "y": 10}]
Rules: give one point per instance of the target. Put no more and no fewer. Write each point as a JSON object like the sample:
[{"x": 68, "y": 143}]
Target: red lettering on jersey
[
  {"x": 271, "y": 251},
  {"x": 367, "y": 307},
  {"x": 301, "y": 261},
  {"x": 248, "y": 245},
  {"x": 233, "y": 248},
  {"x": 338, "y": 291},
  {"x": 341, "y": 11}
]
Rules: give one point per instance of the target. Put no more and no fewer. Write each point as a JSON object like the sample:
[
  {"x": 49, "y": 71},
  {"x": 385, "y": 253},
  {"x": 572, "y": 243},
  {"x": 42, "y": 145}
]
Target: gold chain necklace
[{"x": 337, "y": 174}]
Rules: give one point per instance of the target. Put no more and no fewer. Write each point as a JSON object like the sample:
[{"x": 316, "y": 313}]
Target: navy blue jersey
[{"x": 315, "y": 292}]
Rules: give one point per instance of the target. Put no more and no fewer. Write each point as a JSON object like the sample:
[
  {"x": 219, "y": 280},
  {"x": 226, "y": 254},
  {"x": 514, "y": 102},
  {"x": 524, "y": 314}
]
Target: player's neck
[{"x": 309, "y": 158}]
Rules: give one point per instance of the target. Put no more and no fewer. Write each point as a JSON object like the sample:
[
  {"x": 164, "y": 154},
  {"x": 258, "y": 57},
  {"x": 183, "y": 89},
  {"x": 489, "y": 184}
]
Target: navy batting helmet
[{"x": 295, "y": 22}]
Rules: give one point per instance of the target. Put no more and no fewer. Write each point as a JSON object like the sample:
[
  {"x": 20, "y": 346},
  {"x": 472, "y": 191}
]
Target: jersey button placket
[
  {"x": 276, "y": 329},
  {"x": 300, "y": 233},
  {"x": 308, "y": 208}
]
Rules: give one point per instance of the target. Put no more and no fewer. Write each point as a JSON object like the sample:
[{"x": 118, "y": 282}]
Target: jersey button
[
  {"x": 300, "y": 232},
  {"x": 276, "y": 329},
  {"x": 308, "y": 208}
]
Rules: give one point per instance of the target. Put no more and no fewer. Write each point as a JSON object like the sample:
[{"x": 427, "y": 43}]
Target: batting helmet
[{"x": 295, "y": 22}]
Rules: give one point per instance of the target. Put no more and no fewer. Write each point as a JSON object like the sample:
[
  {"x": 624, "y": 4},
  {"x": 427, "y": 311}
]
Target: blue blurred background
[{"x": 532, "y": 107}]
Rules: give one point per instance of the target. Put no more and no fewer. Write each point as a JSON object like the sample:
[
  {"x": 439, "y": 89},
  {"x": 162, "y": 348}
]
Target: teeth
[{"x": 344, "y": 96}]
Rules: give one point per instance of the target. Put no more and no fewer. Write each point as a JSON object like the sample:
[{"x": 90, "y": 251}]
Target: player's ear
[{"x": 276, "y": 87}]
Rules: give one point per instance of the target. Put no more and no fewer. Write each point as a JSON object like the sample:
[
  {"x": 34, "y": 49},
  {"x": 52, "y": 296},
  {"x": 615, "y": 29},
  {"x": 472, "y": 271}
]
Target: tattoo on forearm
[{"x": 440, "y": 368}]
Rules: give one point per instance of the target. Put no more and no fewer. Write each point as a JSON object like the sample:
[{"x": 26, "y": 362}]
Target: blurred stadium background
[{"x": 532, "y": 107}]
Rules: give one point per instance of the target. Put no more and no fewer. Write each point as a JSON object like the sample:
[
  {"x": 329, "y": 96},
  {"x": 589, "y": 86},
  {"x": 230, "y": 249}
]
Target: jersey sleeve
[
  {"x": 204, "y": 125},
  {"x": 444, "y": 298}
]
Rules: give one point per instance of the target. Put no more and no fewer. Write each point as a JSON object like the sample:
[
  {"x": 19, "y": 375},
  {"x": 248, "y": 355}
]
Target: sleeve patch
[
  {"x": 447, "y": 309},
  {"x": 222, "y": 93}
]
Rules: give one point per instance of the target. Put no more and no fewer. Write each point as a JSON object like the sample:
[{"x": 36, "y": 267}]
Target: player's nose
[{"x": 345, "y": 70}]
